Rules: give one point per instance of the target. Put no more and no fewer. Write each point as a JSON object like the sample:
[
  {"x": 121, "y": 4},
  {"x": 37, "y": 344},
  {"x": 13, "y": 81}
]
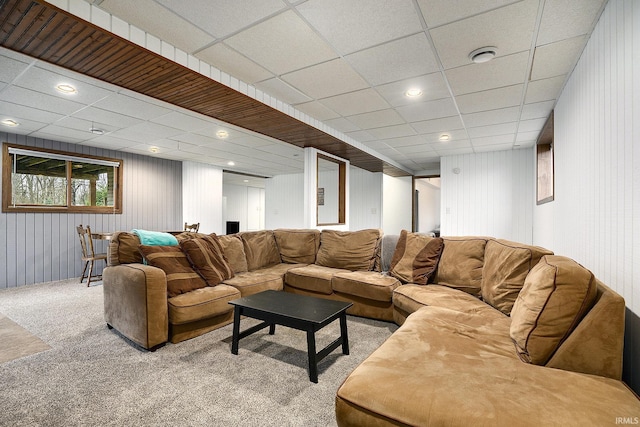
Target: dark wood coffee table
[{"x": 300, "y": 312}]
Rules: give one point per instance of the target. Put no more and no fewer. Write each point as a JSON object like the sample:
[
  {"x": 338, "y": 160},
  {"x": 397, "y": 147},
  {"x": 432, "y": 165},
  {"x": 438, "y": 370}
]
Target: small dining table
[{"x": 101, "y": 235}]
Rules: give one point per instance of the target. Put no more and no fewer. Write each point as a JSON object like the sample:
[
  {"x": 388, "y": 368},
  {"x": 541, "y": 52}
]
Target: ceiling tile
[
  {"x": 356, "y": 24},
  {"x": 327, "y": 79},
  {"x": 495, "y": 147},
  {"x": 107, "y": 117},
  {"x": 491, "y": 117},
  {"x": 417, "y": 151},
  {"x": 11, "y": 110},
  {"x": 531, "y": 125},
  {"x": 341, "y": 124},
  {"x": 445, "y": 124},
  {"x": 392, "y": 131},
  {"x": 454, "y": 135},
  {"x": 438, "y": 12},
  {"x": 317, "y": 110},
  {"x": 509, "y": 28},
  {"x": 222, "y": 17},
  {"x": 157, "y": 20},
  {"x": 563, "y": 19},
  {"x": 37, "y": 100},
  {"x": 233, "y": 63},
  {"x": 502, "y": 71},
  {"x": 400, "y": 59},
  {"x": 361, "y": 136},
  {"x": 109, "y": 142},
  {"x": 282, "y": 91},
  {"x": 544, "y": 90},
  {"x": 26, "y": 124},
  {"x": 493, "y": 99},
  {"x": 124, "y": 104},
  {"x": 557, "y": 58},
  {"x": 60, "y": 133},
  {"x": 264, "y": 42},
  {"x": 428, "y": 110},
  {"x": 146, "y": 132},
  {"x": 405, "y": 141},
  {"x": 451, "y": 145},
  {"x": 185, "y": 122},
  {"x": 362, "y": 101},
  {"x": 11, "y": 68},
  {"x": 537, "y": 110},
  {"x": 493, "y": 130},
  {"x": 432, "y": 86},
  {"x": 493, "y": 140},
  {"x": 527, "y": 136},
  {"x": 376, "y": 119},
  {"x": 85, "y": 126}
]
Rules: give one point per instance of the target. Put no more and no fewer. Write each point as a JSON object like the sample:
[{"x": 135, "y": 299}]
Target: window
[{"x": 39, "y": 180}]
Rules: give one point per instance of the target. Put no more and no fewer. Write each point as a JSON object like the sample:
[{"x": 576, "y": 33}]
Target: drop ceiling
[{"x": 344, "y": 63}]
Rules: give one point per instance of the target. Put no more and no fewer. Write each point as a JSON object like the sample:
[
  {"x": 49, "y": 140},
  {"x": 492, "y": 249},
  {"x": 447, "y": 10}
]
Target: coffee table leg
[
  {"x": 343, "y": 333},
  {"x": 272, "y": 329},
  {"x": 313, "y": 359},
  {"x": 236, "y": 330}
]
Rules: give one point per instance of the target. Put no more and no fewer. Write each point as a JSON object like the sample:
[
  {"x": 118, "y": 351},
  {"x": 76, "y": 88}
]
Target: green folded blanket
[{"x": 155, "y": 238}]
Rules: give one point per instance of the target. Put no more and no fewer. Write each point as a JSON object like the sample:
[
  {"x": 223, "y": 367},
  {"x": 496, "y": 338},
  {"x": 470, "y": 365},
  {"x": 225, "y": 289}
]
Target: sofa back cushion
[
  {"x": 181, "y": 278},
  {"x": 506, "y": 265},
  {"x": 416, "y": 257},
  {"x": 260, "y": 249},
  {"x": 207, "y": 258},
  {"x": 461, "y": 263},
  {"x": 234, "y": 251},
  {"x": 297, "y": 246},
  {"x": 123, "y": 249},
  {"x": 557, "y": 293},
  {"x": 350, "y": 250}
]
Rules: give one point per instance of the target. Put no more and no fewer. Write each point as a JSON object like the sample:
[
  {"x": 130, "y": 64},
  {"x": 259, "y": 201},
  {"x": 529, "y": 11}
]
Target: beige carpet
[{"x": 17, "y": 342}]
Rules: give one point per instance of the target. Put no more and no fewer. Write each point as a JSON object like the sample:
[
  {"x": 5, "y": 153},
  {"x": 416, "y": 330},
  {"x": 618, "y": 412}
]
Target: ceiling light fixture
[
  {"x": 222, "y": 134},
  {"x": 484, "y": 54},
  {"x": 230, "y": 163},
  {"x": 67, "y": 89},
  {"x": 413, "y": 93},
  {"x": 9, "y": 122},
  {"x": 96, "y": 131},
  {"x": 444, "y": 137},
  {"x": 154, "y": 149}
]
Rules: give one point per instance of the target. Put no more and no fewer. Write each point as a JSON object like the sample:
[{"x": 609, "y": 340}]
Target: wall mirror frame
[{"x": 331, "y": 192}]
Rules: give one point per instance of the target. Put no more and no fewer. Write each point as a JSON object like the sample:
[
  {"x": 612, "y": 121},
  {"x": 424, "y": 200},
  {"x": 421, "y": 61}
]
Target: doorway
[
  {"x": 243, "y": 198},
  {"x": 426, "y": 204}
]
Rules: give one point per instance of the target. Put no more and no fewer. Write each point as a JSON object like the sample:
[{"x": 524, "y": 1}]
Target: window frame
[{"x": 7, "y": 187}]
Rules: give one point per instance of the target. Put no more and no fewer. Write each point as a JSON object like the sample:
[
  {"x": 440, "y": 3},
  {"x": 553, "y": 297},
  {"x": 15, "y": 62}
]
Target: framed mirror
[{"x": 330, "y": 192}]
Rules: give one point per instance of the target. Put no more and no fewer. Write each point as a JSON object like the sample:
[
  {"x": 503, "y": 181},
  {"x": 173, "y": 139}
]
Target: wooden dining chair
[
  {"x": 88, "y": 254},
  {"x": 192, "y": 227}
]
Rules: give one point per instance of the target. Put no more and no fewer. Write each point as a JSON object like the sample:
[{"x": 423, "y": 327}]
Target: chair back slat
[{"x": 192, "y": 227}]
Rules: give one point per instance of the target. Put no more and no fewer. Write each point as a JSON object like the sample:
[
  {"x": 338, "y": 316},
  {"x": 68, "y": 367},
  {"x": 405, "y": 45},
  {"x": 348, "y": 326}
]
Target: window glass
[
  {"x": 91, "y": 185},
  {"x": 38, "y": 181}
]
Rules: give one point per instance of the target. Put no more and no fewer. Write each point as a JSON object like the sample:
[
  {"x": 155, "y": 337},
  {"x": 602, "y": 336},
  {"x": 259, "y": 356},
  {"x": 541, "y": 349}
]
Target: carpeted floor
[{"x": 92, "y": 376}]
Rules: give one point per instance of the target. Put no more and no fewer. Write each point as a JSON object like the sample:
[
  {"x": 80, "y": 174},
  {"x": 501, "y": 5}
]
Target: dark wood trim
[
  {"x": 41, "y": 30},
  {"x": 545, "y": 164}
]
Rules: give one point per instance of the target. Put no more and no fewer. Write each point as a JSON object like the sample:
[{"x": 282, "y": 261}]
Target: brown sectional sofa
[{"x": 492, "y": 332}]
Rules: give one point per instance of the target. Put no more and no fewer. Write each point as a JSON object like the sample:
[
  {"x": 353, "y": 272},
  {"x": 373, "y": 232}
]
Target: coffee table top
[{"x": 309, "y": 309}]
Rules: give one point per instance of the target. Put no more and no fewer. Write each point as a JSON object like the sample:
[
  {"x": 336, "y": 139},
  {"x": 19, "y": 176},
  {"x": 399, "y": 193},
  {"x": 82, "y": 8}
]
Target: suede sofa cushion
[
  {"x": 123, "y": 249},
  {"x": 350, "y": 250},
  {"x": 557, "y": 293},
  {"x": 234, "y": 251},
  {"x": 260, "y": 249},
  {"x": 207, "y": 258},
  {"x": 201, "y": 304},
  {"x": 416, "y": 257},
  {"x": 461, "y": 263},
  {"x": 181, "y": 278},
  {"x": 506, "y": 265},
  {"x": 297, "y": 246}
]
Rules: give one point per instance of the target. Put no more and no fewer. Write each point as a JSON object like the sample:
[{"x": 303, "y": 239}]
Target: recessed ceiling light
[
  {"x": 9, "y": 122},
  {"x": 96, "y": 131},
  {"x": 230, "y": 163},
  {"x": 66, "y": 89},
  {"x": 245, "y": 180},
  {"x": 413, "y": 93},
  {"x": 484, "y": 54},
  {"x": 444, "y": 137},
  {"x": 222, "y": 134},
  {"x": 154, "y": 149}
]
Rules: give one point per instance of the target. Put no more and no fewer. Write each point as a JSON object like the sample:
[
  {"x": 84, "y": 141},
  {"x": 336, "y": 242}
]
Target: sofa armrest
[{"x": 135, "y": 303}]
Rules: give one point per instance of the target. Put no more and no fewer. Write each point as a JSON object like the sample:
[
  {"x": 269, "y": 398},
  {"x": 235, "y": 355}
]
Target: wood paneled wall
[
  {"x": 488, "y": 194},
  {"x": 42, "y": 247},
  {"x": 595, "y": 217}
]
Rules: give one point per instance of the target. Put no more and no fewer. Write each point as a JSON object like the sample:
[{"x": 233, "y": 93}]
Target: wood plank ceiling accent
[{"x": 45, "y": 32}]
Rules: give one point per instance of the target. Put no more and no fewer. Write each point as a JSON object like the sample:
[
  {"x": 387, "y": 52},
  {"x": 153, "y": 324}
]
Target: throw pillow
[
  {"x": 350, "y": 250},
  {"x": 415, "y": 258},
  {"x": 207, "y": 258},
  {"x": 297, "y": 246},
  {"x": 506, "y": 265},
  {"x": 181, "y": 278},
  {"x": 126, "y": 245},
  {"x": 557, "y": 293}
]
